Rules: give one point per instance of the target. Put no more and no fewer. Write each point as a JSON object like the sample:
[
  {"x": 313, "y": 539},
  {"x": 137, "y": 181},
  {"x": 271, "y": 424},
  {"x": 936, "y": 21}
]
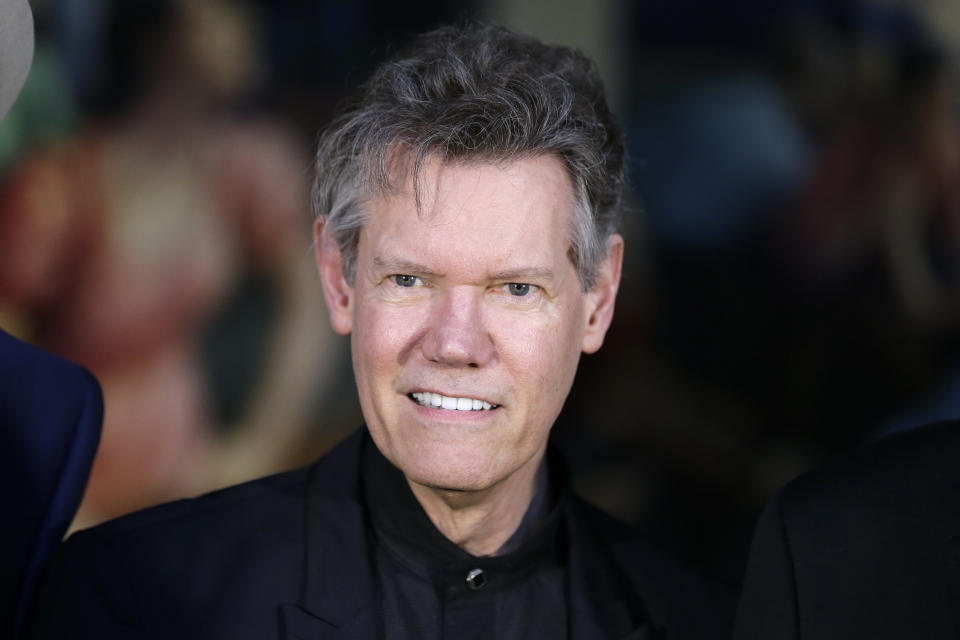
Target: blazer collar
[{"x": 337, "y": 593}]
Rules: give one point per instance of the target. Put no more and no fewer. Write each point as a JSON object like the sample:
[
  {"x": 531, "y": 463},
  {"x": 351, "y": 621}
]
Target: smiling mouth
[{"x": 437, "y": 401}]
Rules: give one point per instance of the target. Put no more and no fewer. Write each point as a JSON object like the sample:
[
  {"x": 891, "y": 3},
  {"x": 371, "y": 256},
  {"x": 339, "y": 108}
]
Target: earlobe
[
  {"x": 336, "y": 291},
  {"x": 600, "y": 300}
]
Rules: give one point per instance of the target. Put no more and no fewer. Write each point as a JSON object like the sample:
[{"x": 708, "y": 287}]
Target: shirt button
[{"x": 476, "y": 579}]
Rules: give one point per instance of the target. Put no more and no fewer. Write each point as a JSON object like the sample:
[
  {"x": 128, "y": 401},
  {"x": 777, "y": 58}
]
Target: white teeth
[{"x": 430, "y": 399}]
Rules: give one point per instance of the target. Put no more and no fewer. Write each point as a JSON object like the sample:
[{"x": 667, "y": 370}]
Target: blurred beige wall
[
  {"x": 944, "y": 17},
  {"x": 591, "y": 27}
]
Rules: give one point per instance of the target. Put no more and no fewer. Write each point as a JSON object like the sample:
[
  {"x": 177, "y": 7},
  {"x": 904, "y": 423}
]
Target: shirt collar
[{"x": 402, "y": 526}]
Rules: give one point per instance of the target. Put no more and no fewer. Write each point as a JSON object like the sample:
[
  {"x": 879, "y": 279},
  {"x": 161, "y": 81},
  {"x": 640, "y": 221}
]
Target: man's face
[{"x": 473, "y": 305}]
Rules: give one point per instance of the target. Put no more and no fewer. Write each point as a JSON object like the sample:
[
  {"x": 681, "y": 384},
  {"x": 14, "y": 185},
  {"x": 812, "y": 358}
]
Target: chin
[
  {"x": 448, "y": 458},
  {"x": 459, "y": 473},
  {"x": 442, "y": 482}
]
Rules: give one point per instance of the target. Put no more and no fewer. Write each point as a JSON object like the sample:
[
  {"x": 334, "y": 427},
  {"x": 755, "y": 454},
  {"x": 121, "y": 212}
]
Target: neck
[{"x": 481, "y": 522}]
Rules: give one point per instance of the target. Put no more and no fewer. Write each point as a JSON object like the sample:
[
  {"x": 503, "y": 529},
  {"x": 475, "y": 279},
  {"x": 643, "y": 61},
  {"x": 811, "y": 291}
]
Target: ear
[
  {"x": 336, "y": 291},
  {"x": 599, "y": 300}
]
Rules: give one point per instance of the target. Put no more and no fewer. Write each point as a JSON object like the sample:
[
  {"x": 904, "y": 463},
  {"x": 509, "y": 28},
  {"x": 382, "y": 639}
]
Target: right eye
[{"x": 405, "y": 280}]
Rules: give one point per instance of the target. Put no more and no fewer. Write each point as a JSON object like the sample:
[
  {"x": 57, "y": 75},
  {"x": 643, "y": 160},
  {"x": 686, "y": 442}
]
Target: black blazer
[
  {"x": 287, "y": 556},
  {"x": 865, "y": 548}
]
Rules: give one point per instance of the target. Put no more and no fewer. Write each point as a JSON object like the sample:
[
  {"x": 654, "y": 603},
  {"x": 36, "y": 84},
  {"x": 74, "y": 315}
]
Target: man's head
[{"x": 467, "y": 203}]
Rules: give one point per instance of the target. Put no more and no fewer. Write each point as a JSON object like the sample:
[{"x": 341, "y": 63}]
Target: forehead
[{"x": 521, "y": 209}]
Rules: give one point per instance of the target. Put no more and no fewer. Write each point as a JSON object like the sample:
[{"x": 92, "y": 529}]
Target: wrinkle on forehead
[{"x": 405, "y": 173}]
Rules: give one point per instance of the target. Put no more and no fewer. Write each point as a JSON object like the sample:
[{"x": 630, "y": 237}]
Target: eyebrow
[
  {"x": 524, "y": 273},
  {"x": 398, "y": 265}
]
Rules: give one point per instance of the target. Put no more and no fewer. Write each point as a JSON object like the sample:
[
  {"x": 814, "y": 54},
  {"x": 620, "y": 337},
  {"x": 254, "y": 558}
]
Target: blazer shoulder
[
  {"x": 907, "y": 470},
  {"x": 671, "y": 588},
  {"x": 834, "y": 548},
  {"x": 168, "y": 568},
  {"x": 249, "y": 499},
  {"x": 254, "y": 501},
  {"x": 626, "y": 542}
]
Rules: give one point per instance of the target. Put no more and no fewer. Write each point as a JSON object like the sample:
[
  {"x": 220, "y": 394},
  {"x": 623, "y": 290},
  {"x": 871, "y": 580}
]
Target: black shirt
[{"x": 428, "y": 587}]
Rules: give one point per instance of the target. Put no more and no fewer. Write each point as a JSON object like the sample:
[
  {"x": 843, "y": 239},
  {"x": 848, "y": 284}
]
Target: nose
[{"x": 458, "y": 335}]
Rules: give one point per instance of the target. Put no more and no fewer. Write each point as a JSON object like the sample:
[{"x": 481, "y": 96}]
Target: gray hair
[{"x": 468, "y": 94}]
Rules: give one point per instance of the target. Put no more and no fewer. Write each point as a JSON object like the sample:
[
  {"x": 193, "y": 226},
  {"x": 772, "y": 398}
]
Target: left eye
[
  {"x": 518, "y": 289},
  {"x": 404, "y": 280}
]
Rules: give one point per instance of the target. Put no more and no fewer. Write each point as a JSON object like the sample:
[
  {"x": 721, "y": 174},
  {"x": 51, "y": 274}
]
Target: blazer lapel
[
  {"x": 601, "y": 603},
  {"x": 338, "y": 584},
  {"x": 296, "y": 623}
]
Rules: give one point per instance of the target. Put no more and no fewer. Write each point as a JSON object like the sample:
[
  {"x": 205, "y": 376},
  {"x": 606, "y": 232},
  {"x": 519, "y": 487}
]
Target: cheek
[
  {"x": 386, "y": 335},
  {"x": 542, "y": 353}
]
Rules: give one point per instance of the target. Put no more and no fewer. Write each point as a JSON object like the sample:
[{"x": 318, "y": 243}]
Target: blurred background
[{"x": 792, "y": 277}]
